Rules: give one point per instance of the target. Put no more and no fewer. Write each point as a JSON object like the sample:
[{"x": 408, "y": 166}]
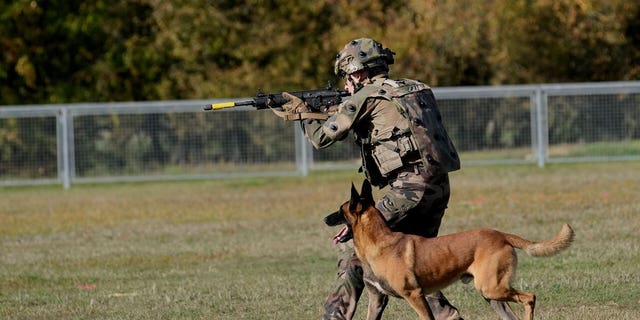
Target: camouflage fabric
[
  {"x": 426, "y": 124},
  {"x": 404, "y": 145},
  {"x": 416, "y": 204},
  {"x": 415, "y": 101},
  {"x": 341, "y": 303},
  {"x": 323, "y": 134},
  {"x": 361, "y": 54},
  {"x": 397, "y": 124}
]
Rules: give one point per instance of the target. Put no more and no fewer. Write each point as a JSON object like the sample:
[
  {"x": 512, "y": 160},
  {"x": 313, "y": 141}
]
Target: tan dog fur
[{"x": 410, "y": 266}]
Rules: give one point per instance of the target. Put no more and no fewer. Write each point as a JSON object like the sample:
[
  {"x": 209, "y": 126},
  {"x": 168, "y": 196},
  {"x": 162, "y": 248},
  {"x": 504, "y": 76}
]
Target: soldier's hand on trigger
[
  {"x": 331, "y": 110},
  {"x": 294, "y": 104}
]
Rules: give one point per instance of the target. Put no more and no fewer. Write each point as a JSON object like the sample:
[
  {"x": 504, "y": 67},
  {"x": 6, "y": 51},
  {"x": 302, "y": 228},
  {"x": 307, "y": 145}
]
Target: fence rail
[{"x": 160, "y": 140}]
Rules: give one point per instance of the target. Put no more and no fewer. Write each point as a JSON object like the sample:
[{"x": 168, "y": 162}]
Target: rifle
[{"x": 318, "y": 100}]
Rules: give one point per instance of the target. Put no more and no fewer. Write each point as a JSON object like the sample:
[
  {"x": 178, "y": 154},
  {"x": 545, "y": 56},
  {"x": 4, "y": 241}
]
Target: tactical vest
[{"x": 423, "y": 139}]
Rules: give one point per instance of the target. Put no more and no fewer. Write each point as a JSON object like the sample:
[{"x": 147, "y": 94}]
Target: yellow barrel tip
[{"x": 218, "y": 106}]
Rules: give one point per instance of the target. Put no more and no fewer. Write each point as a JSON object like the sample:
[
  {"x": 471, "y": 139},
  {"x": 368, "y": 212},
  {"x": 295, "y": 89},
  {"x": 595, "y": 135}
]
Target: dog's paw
[{"x": 466, "y": 278}]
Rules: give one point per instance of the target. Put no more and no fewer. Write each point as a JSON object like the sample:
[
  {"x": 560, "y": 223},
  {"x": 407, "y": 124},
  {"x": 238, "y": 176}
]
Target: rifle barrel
[{"x": 229, "y": 104}]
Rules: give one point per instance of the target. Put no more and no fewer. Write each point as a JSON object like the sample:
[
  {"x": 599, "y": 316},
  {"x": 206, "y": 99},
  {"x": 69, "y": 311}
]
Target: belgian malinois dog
[{"x": 410, "y": 266}]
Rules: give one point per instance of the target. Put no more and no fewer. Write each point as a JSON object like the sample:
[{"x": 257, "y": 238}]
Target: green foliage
[
  {"x": 567, "y": 40},
  {"x": 29, "y": 138},
  {"x": 66, "y": 51}
]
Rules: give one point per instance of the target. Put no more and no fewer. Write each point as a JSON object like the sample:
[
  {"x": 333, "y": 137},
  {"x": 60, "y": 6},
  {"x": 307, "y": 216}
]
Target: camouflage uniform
[
  {"x": 404, "y": 146},
  {"x": 422, "y": 217}
]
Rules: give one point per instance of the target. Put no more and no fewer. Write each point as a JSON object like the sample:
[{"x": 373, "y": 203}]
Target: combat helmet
[{"x": 363, "y": 53}]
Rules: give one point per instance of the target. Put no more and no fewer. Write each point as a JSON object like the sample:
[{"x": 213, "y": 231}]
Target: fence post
[
  {"x": 302, "y": 156},
  {"x": 71, "y": 146},
  {"x": 541, "y": 136},
  {"x": 62, "y": 138}
]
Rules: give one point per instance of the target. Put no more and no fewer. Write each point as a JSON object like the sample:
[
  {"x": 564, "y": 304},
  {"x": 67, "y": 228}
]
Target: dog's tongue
[{"x": 339, "y": 235}]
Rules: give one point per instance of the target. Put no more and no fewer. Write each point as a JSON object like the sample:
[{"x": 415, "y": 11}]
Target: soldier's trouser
[
  {"x": 341, "y": 303},
  {"x": 413, "y": 205}
]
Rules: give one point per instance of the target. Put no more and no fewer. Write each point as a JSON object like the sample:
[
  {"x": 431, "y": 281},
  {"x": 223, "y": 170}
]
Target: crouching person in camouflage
[{"x": 404, "y": 147}]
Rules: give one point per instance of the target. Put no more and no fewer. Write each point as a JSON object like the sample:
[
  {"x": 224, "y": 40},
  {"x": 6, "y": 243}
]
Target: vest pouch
[
  {"x": 386, "y": 159},
  {"x": 406, "y": 145},
  {"x": 385, "y": 151}
]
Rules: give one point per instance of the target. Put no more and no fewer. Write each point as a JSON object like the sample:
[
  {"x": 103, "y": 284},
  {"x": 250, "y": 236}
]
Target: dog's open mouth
[
  {"x": 344, "y": 235},
  {"x": 335, "y": 219}
]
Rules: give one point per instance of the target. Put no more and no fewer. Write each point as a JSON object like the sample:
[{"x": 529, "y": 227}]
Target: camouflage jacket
[{"x": 398, "y": 125}]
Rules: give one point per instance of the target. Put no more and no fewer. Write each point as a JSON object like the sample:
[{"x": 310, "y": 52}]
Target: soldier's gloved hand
[{"x": 294, "y": 104}]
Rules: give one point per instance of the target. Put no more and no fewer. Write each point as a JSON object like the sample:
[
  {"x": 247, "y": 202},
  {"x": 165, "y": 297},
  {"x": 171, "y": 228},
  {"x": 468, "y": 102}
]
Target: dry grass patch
[{"x": 257, "y": 248}]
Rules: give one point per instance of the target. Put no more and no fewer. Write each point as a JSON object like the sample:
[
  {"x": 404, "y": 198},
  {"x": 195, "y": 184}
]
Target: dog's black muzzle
[{"x": 336, "y": 219}]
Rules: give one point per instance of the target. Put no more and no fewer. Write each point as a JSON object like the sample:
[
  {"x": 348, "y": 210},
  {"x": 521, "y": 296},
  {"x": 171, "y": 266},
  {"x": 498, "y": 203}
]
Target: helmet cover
[{"x": 362, "y": 54}]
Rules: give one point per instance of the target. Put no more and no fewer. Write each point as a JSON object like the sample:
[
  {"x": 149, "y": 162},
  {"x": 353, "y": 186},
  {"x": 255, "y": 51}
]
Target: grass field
[{"x": 257, "y": 248}]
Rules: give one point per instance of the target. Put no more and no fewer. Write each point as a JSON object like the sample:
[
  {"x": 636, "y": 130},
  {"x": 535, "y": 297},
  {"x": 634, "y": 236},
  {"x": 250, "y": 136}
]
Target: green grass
[
  {"x": 625, "y": 148},
  {"x": 612, "y": 148},
  {"x": 257, "y": 248}
]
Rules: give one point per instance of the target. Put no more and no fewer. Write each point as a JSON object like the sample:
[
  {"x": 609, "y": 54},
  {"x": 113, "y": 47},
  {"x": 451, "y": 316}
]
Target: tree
[{"x": 561, "y": 41}]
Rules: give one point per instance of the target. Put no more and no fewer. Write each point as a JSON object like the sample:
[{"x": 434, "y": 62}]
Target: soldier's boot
[
  {"x": 441, "y": 307},
  {"x": 342, "y": 301}
]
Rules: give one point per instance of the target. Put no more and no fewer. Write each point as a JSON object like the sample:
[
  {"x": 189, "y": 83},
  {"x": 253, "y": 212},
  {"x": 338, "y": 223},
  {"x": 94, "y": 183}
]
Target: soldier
[{"x": 404, "y": 146}]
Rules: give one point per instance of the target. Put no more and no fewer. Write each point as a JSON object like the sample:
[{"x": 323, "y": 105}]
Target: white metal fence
[{"x": 136, "y": 141}]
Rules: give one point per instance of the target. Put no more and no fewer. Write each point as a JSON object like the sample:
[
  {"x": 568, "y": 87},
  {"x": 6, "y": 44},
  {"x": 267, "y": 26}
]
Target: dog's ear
[
  {"x": 366, "y": 194},
  {"x": 355, "y": 198}
]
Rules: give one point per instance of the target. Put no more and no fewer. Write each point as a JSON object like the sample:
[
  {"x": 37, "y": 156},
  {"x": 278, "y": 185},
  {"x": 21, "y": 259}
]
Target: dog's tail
[{"x": 543, "y": 248}]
